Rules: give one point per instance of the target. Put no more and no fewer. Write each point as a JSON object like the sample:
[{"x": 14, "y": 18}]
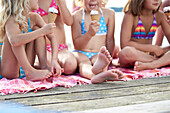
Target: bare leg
[
  {"x": 40, "y": 48},
  {"x": 18, "y": 56},
  {"x": 85, "y": 67},
  {"x": 30, "y": 52},
  {"x": 162, "y": 61},
  {"x": 67, "y": 61},
  {"x": 103, "y": 60},
  {"x": 103, "y": 76},
  {"x": 129, "y": 55}
]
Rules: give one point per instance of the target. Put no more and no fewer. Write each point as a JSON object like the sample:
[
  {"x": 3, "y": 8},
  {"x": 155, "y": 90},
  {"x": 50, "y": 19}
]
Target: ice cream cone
[
  {"x": 94, "y": 15},
  {"x": 51, "y": 17},
  {"x": 104, "y": 2},
  {"x": 52, "y": 14},
  {"x": 167, "y": 11},
  {"x": 79, "y": 3}
]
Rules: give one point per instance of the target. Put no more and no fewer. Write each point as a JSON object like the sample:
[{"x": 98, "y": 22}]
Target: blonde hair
[
  {"x": 13, "y": 8},
  {"x": 135, "y": 7}
]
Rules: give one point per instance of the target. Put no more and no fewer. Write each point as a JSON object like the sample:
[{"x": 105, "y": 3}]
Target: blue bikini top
[
  {"x": 29, "y": 29},
  {"x": 102, "y": 27}
]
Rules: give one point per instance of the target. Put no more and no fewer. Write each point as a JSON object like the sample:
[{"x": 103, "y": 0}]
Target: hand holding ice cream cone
[
  {"x": 94, "y": 15},
  {"x": 52, "y": 14}
]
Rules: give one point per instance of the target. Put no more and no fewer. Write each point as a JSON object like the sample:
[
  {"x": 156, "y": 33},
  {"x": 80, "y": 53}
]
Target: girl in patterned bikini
[
  {"x": 142, "y": 17},
  {"x": 66, "y": 59},
  {"x": 20, "y": 40},
  {"x": 90, "y": 38}
]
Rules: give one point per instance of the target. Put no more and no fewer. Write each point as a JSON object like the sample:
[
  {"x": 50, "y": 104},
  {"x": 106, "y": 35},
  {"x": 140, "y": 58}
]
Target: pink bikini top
[{"x": 41, "y": 12}]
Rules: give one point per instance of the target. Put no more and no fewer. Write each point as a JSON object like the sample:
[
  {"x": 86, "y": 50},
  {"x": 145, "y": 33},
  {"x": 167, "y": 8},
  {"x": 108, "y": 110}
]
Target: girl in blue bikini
[
  {"x": 142, "y": 17},
  {"x": 17, "y": 31},
  {"x": 94, "y": 42}
]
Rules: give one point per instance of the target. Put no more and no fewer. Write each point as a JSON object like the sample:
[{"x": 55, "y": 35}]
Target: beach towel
[{"x": 22, "y": 85}]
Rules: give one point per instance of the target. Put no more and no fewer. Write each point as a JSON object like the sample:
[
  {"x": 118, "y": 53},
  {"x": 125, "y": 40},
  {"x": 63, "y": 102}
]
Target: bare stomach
[
  {"x": 94, "y": 44},
  {"x": 142, "y": 41}
]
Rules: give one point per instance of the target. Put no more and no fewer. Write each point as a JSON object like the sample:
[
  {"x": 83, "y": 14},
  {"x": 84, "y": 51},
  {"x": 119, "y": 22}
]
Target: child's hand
[
  {"x": 48, "y": 28},
  {"x": 93, "y": 28},
  {"x": 158, "y": 51},
  {"x": 55, "y": 68}
]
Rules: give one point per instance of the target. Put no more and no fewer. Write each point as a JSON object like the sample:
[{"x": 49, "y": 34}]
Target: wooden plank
[
  {"x": 153, "y": 107},
  {"x": 107, "y": 102},
  {"x": 138, "y": 95},
  {"x": 88, "y": 88}
]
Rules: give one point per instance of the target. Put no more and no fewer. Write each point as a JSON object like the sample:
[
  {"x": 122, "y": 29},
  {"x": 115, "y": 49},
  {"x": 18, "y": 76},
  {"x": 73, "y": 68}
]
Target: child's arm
[
  {"x": 110, "y": 42},
  {"x": 55, "y": 67},
  {"x": 79, "y": 39},
  {"x": 65, "y": 13},
  {"x": 125, "y": 38},
  {"x": 16, "y": 38},
  {"x": 165, "y": 25}
]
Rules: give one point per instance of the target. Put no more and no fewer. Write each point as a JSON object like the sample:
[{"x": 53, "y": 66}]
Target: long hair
[
  {"x": 135, "y": 7},
  {"x": 13, "y": 8}
]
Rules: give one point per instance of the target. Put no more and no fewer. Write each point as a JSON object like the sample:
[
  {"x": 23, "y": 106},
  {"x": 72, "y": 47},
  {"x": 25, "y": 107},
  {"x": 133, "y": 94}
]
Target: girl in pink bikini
[{"x": 66, "y": 59}]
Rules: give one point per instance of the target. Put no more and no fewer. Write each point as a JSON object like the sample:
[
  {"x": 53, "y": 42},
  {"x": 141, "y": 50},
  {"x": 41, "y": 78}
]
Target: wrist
[
  {"x": 88, "y": 34},
  {"x": 42, "y": 32}
]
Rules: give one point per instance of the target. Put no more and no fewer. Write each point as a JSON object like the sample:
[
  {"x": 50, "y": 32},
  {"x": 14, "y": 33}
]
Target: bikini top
[
  {"x": 102, "y": 27},
  {"x": 29, "y": 29},
  {"x": 140, "y": 32},
  {"x": 41, "y": 12}
]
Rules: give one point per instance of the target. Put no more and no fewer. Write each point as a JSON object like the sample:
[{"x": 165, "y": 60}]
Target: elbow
[
  {"x": 69, "y": 23},
  {"x": 13, "y": 42}
]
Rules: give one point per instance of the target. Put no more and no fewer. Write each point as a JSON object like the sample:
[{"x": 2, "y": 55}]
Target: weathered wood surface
[{"x": 97, "y": 96}]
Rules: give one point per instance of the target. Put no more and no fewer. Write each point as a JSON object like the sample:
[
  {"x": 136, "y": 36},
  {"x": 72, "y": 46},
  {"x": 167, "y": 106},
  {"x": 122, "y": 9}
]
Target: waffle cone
[
  {"x": 51, "y": 17},
  {"x": 94, "y": 17}
]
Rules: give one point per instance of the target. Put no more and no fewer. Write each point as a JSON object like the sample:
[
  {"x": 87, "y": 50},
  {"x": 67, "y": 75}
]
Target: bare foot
[
  {"x": 142, "y": 66},
  {"x": 38, "y": 75},
  {"x": 119, "y": 73},
  {"x": 103, "y": 60},
  {"x": 106, "y": 75}
]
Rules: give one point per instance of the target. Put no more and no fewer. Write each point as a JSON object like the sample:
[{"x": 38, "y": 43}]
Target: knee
[
  {"x": 127, "y": 53},
  {"x": 70, "y": 66}
]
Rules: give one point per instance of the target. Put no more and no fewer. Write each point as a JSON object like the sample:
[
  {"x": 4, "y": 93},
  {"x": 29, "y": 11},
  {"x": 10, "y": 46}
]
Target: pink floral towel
[{"x": 24, "y": 86}]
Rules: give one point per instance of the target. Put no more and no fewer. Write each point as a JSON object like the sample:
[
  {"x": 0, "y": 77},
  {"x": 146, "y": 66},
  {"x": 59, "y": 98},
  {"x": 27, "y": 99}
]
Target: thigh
[
  {"x": 9, "y": 63},
  {"x": 30, "y": 51},
  {"x": 66, "y": 57},
  {"x": 81, "y": 58}
]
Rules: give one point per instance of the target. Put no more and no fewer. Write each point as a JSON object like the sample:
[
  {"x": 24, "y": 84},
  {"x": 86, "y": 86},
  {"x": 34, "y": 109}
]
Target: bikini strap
[
  {"x": 83, "y": 12},
  {"x": 101, "y": 11},
  {"x": 29, "y": 23}
]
